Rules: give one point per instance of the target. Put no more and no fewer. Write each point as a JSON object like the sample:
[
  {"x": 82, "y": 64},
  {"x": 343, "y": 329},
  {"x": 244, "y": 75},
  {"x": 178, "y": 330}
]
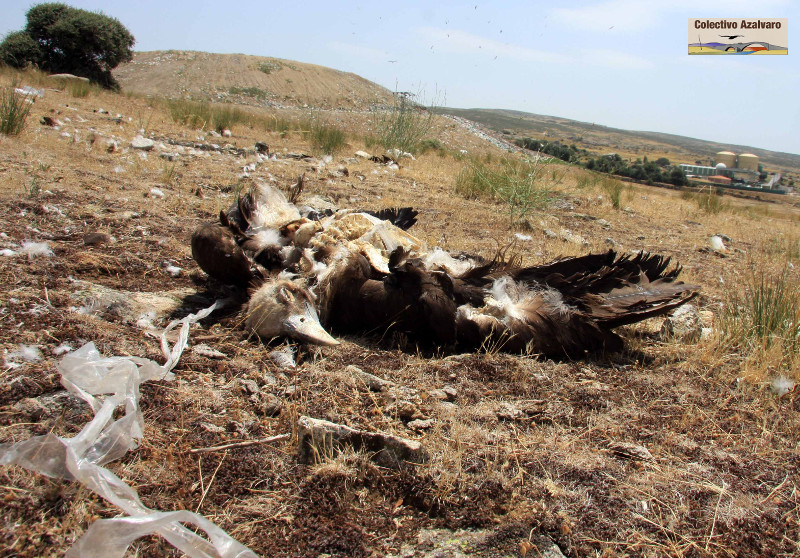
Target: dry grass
[{"x": 723, "y": 480}]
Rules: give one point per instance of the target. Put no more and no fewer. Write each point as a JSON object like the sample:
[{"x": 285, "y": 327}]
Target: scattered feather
[
  {"x": 35, "y": 249},
  {"x": 27, "y": 353},
  {"x": 156, "y": 193},
  {"x": 782, "y": 385},
  {"x": 524, "y": 237}
]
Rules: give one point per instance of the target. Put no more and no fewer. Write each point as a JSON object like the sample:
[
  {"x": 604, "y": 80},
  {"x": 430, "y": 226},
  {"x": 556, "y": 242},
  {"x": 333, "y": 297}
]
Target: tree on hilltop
[{"x": 62, "y": 39}]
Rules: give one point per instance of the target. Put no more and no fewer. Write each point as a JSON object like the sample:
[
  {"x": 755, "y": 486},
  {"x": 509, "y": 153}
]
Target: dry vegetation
[{"x": 521, "y": 448}]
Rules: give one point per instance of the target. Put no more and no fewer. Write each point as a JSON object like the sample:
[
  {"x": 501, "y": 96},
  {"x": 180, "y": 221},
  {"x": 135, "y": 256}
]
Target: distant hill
[
  {"x": 245, "y": 79},
  {"x": 603, "y": 139}
]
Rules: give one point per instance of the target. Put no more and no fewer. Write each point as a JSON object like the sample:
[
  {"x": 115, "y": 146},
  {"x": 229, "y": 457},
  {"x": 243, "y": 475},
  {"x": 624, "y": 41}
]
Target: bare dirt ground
[{"x": 524, "y": 452}]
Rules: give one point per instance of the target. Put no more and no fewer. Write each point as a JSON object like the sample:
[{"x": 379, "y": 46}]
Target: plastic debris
[{"x": 107, "y": 383}]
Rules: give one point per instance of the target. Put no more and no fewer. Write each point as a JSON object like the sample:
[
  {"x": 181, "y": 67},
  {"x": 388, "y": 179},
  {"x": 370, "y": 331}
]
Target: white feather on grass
[{"x": 35, "y": 249}]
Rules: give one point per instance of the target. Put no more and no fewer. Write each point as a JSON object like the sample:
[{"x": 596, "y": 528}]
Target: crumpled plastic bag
[{"x": 107, "y": 383}]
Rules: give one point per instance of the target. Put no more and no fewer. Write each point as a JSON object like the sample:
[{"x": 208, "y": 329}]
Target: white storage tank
[
  {"x": 727, "y": 158},
  {"x": 748, "y": 161}
]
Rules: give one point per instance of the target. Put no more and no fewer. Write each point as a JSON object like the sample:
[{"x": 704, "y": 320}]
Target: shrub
[
  {"x": 403, "y": 126},
  {"x": 515, "y": 182},
  {"x": 614, "y": 190},
  {"x": 14, "y": 110},
  {"x": 432, "y": 144},
  {"x": 327, "y": 139},
  {"x": 765, "y": 314}
]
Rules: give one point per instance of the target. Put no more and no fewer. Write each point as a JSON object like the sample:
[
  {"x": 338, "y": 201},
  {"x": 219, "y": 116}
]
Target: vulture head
[{"x": 280, "y": 307}]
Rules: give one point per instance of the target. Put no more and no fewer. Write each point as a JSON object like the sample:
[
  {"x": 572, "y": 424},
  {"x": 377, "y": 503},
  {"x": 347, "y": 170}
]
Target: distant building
[{"x": 700, "y": 170}]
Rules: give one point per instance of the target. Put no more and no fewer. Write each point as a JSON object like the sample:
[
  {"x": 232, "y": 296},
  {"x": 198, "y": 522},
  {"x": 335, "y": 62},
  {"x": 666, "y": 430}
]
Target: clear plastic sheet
[{"x": 107, "y": 383}]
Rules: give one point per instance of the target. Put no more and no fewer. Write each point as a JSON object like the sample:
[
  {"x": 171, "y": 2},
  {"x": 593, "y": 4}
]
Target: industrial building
[{"x": 728, "y": 168}]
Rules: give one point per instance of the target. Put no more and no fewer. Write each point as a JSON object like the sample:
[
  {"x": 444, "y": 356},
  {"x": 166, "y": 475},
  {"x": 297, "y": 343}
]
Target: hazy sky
[{"x": 621, "y": 63}]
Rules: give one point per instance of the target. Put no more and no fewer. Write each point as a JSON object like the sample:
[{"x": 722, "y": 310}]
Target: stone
[
  {"x": 373, "y": 382},
  {"x": 267, "y": 404},
  {"x": 362, "y": 154},
  {"x": 634, "y": 452},
  {"x": 95, "y": 238},
  {"x": 319, "y": 439},
  {"x": 404, "y": 410},
  {"x": 683, "y": 325},
  {"x": 250, "y": 387},
  {"x": 143, "y": 143},
  {"x": 204, "y": 350},
  {"x": 451, "y": 392},
  {"x": 421, "y": 424}
]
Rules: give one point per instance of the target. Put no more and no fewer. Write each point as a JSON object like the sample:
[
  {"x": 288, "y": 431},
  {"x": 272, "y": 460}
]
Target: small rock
[
  {"x": 603, "y": 223},
  {"x": 373, "y": 382},
  {"x": 627, "y": 450},
  {"x": 213, "y": 428},
  {"x": 204, "y": 350},
  {"x": 362, "y": 154},
  {"x": 111, "y": 145},
  {"x": 550, "y": 234},
  {"x": 683, "y": 325},
  {"x": 267, "y": 404},
  {"x": 421, "y": 424},
  {"x": 404, "y": 410},
  {"x": 226, "y": 133},
  {"x": 156, "y": 193},
  {"x": 50, "y": 121},
  {"x": 320, "y": 439},
  {"x": 95, "y": 238},
  {"x": 451, "y": 392},
  {"x": 250, "y": 387},
  {"x": 706, "y": 318},
  {"x": 143, "y": 143}
]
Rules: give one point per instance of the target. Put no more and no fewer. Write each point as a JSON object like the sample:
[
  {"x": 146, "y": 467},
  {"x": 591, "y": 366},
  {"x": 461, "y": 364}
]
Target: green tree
[
  {"x": 71, "y": 40},
  {"x": 19, "y": 49}
]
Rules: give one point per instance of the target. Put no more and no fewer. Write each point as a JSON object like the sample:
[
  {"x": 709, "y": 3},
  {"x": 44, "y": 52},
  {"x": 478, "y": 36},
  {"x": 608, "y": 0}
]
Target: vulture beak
[{"x": 306, "y": 327}]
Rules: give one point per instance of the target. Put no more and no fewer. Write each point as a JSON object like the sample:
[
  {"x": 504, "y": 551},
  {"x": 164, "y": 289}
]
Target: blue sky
[{"x": 620, "y": 63}]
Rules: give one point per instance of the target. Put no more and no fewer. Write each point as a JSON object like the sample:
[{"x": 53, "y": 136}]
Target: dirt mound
[{"x": 244, "y": 79}]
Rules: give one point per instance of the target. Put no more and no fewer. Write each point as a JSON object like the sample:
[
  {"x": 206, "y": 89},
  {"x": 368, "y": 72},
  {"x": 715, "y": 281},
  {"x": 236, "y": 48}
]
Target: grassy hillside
[
  {"x": 244, "y": 79},
  {"x": 604, "y": 139}
]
